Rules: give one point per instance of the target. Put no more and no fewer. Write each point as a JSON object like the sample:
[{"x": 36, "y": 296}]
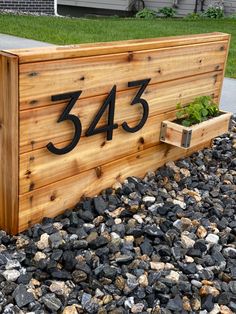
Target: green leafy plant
[
  {"x": 214, "y": 12},
  {"x": 201, "y": 109},
  {"x": 167, "y": 12},
  {"x": 146, "y": 14},
  {"x": 192, "y": 16},
  {"x": 232, "y": 16}
]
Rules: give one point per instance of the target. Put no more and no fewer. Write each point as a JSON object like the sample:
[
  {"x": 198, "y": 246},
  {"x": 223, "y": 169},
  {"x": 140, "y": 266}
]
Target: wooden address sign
[{"x": 75, "y": 119}]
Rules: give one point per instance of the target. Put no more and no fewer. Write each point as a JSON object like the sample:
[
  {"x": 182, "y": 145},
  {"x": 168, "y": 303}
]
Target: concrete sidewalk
[
  {"x": 13, "y": 42},
  {"x": 228, "y": 97}
]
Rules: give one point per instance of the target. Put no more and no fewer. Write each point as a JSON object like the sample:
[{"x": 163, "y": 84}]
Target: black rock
[
  {"x": 61, "y": 274},
  {"x": 146, "y": 247},
  {"x": 79, "y": 276},
  {"x": 52, "y": 302},
  {"x": 22, "y": 296},
  {"x": 55, "y": 240},
  {"x": 98, "y": 242},
  {"x": 208, "y": 303},
  {"x": 100, "y": 205},
  {"x": 153, "y": 231},
  {"x": 175, "y": 304},
  {"x": 123, "y": 259}
]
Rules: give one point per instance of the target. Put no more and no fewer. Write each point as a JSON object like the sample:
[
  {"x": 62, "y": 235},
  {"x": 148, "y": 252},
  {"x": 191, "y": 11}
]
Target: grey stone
[
  {"x": 22, "y": 296},
  {"x": 52, "y": 302}
]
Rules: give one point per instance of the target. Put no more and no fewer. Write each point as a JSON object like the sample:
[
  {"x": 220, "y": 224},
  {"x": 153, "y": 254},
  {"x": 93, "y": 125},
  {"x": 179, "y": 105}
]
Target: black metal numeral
[
  {"x": 109, "y": 102},
  {"x": 138, "y": 100},
  {"x": 67, "y": 116}
]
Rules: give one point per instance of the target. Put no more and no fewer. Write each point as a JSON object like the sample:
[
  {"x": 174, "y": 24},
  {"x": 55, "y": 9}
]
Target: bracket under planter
[{"x": 186, "y": 137}]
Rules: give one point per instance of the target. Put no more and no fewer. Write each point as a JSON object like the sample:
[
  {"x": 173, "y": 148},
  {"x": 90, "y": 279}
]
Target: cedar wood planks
[
  {"x": 96, "y": 75},
  {"x": 180, "y": 69},
  {"x": 9, "y": 146}
]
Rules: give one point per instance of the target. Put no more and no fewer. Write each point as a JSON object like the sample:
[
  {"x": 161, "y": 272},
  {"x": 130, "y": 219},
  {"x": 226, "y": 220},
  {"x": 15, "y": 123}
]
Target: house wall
[
  {"x": 187, "y": 6},
  {"x": 184, "y": 6},
  {"x": 229, "y": 5},
  {"x": 32, "y": 6},
  {"x": 122, "y": 5}
]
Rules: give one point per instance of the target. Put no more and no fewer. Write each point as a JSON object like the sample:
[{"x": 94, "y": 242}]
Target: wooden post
[{"x": 9, "y": 139}]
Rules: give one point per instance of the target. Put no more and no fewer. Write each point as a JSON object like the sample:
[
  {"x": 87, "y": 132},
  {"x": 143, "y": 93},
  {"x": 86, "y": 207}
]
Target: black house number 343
[{"x": 108, "y": 103}]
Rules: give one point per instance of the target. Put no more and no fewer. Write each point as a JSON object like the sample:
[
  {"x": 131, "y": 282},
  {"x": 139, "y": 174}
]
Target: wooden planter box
[
  {"x": 187, "y": 137},
  {"x": 56, "y": 104}
]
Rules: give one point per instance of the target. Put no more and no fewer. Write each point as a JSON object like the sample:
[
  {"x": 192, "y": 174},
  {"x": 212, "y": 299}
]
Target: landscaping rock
[{"x": 164, "y": 244}]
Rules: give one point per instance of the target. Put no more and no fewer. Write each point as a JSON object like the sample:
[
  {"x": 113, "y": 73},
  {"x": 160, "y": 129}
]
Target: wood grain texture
[
  {"x": 224, "y": 69},
  {"x": 35, "y": 183},
  {"x": 97, "y": 75},
  {"x": 55, "y": 198},
  {"x": 40, "y": 167},
  {"x": 9, "y": 138},
  {"x": 200, "y": 132},
  {"x": 39, "y": 126},
  {"x": 96, "y": 49}
]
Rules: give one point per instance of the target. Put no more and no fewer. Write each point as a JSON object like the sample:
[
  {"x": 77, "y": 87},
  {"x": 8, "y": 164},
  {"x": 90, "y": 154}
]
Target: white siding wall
[
  {"x": 184, "y": 6},
  {"x": 99, "y": 4},
  {"x": 187, "y": 6},
  {"x": 229, "y": 5}
]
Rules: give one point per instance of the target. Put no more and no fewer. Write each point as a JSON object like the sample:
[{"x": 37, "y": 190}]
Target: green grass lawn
[{"x": 71, "y": 31}]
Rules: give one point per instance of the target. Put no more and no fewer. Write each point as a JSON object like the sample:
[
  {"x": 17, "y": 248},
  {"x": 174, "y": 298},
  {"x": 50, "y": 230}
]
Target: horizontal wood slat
[
  {"x": 97, "y": 75},
  {"x": 39, "y": 126},
  {"x": 40, "y": 167},
  {"x": 96, "y": 49},
  {"x": 55, "y": 198}
]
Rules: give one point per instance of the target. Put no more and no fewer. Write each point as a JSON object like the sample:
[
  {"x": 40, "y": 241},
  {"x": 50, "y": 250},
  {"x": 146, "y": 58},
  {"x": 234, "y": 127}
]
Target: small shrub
[
  {"x": 201, "y": 109},
  {"x": 146, "y": 14},
  {"x": 167, "y": 12},
  {"x": 214, "y": 12},
  {"x": 192, "y": 16},
  {"x": 232, "y": 16}
]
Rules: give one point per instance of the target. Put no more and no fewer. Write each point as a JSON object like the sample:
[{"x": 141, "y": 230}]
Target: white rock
[
  {"x": 59, "y": 288},
  {"x": 216, "y": 309},
  {"x": 172, "y": 166},
  {"x": 187, "y": 242},
  {"x": 129, "y": 302},
  {"x": 11, "y": 275},
  {"x": 99, "y": 293},
  {"x": 138, "y": 218},
  {"x": 39, "y": 255},
  {"x": 185, "y": 172},
  {"x": 188, "y": 259},
  {"x": 212, "y": 238},
  {"x": 180, "y": 203},
  {"x": 115, "y": 236},
  {"x": 70, "y": 310},
  {"x": 43, "y": 242},
  {"x": 169, "y": 266},
  {"x": 137, "y": 308},
  {"x": 143, "y": 280},
  {"x": 174, "y": 275},
  {"x": 150, "y": 199},
  {"x": 12, "y": 264},
  {"x": 157, "y": 265}
]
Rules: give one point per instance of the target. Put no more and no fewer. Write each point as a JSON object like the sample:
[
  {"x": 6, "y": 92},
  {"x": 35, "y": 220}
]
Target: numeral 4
[{"x": 110, "y": 103}]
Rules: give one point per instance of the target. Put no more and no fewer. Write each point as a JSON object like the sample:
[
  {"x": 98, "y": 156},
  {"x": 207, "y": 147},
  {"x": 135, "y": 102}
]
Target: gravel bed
[{"x": 164, "y": 244}]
